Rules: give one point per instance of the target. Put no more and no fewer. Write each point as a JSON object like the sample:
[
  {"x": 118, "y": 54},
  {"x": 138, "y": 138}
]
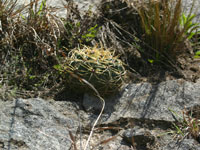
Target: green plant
[
  {"x": 31, "y": 43},
  {"x": 197, "y": 54},
  {"x": 28, "y": 43},
  {"x": 91, "y": 34},
  {"x": 79, "y": 28},
  {"x": 186, "y": 21},
  {"x": 96, "y": 65},
  {"x": 187, "y": 125},
  {"x": 165, "y": 27},
  {"x": 191, "y": 125},
  {"x": 79, "y": 34}
]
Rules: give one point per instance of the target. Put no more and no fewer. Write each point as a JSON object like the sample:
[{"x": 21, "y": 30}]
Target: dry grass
[
  {"x": 162, "y": 27},
  {"x": 31, "y": 44},
  {"x": 188, "y": 126}
]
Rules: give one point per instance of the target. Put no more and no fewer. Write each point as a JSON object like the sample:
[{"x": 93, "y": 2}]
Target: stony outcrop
[
  {"x": 150, "y": 102},
  {"x": 151, "y": 109},
  {"x": 34, "y": 124},
  {"x": 140, "y": 117}
]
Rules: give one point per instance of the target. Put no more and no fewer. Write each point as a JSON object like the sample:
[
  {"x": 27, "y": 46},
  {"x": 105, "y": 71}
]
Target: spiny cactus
[{"x": 97, "y": 66}]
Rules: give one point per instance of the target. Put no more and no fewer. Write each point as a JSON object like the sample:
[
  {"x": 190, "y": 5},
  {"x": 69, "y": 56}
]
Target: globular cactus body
[{"x": 97, "y": 66}]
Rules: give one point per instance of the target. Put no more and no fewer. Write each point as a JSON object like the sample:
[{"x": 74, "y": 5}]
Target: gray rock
[
  {"x": 187, "y": 4},
  {"x": 59, "y": 8},
  {"x": 147, "y": 101},
  {"x": 105, "y": 141},
  {"x": 186, "y": 144},
  {"x": 38, "y": 124},
  {"x": 34, "y": 124},
  {"x": 141, "y": 138},
  {"x": 147, "y": 106},
  {"x": 56, "y": 4}
]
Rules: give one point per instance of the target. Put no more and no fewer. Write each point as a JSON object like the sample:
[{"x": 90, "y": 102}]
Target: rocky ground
[{"x": 141, "y": 117}]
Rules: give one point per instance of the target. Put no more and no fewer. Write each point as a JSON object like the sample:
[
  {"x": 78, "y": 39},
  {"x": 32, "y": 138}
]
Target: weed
[
  {"x": 165, "y": 27},
  {"x": 197, "y": 54},
  {"x": 187, "y": 126},
  {"x": 92, "y": 33},
  {"x": 79, "y": 29},
  {"x": 186, "y": 21},
  {"x": 28, "y": 44}
]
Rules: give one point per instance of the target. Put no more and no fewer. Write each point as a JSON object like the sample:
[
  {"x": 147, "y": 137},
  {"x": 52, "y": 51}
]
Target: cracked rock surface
[
  {"x": 139, "y": 117},
  {"x": 34, "y": 124},
  {"x": 146, "y": 112}
]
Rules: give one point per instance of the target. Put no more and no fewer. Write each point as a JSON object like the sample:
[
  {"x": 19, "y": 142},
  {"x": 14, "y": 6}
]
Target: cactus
[{"x": 96, "y": 65}]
